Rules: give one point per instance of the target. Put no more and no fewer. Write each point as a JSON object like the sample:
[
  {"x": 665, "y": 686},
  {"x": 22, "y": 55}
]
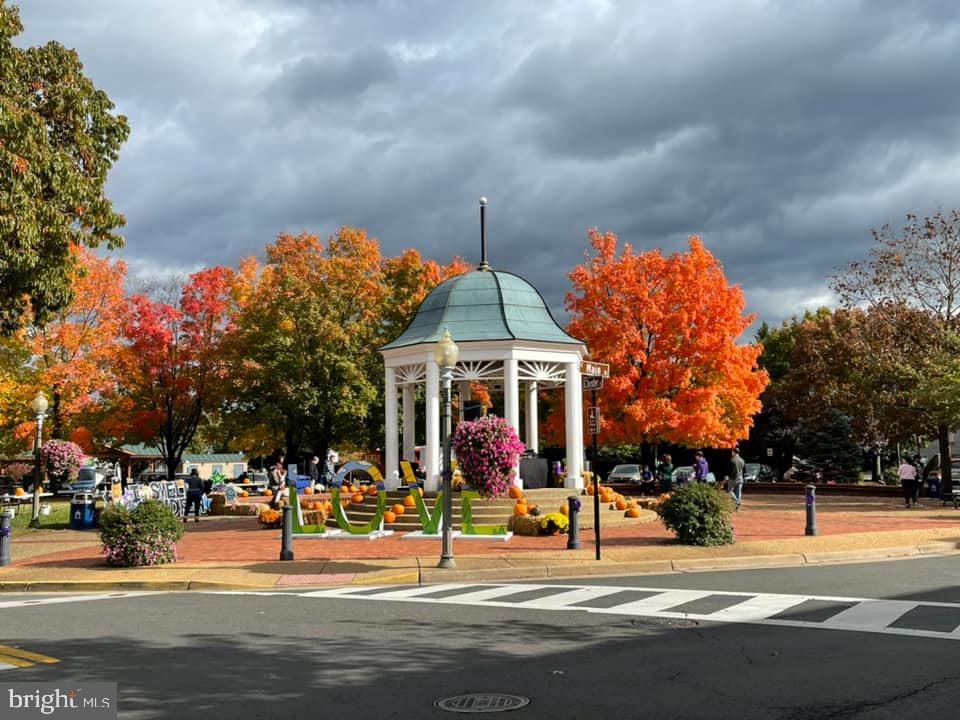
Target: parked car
[
  {"x": 755, "y": 472},
  {"x": 625, "y": 474},
  {"x": 149, "y": 476},
  {"x": 90, "y": 481},
  {"x": 684, "y": 473},
  {"x": 630, "y": 473}
]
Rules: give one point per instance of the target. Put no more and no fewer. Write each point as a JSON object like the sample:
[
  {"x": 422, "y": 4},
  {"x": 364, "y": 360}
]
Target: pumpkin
[
  {"x": 398, "y": 509},
  {"x": 19, "y": 492},
  {"x": 371, "y": 490},
  {"x": 357, "y": 498},
  {"x": 621, "y": 504},
  {"x": 389, "y": 517},
  {"x": 590, "y": 490},
  {"x": 244, "y": 493},
  {"x": 308, "y": 491},
  {"x": 565, "y": 509},
  {"x": 247, "y": 481},
  {"x": 632, "y": 512},
  {"x": 345, "y": 501},
  {"x": 268, "y": 493},
  {"x": 520, "y": 509},
  {"x": 515, "y": 493},
  {"x": 328, "y": 507},
  {"x": 409, "y": 502}
]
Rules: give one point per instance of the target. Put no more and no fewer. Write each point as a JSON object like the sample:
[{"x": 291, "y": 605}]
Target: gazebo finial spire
[{"x": 484, "y": 265}]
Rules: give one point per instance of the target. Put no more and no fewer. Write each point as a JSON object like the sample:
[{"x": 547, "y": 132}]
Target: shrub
[
  {"x": 699, "y": 514},
  {"x": 146, "y": 535},
  {"x": 553, "y": 523},
  {"x": 487, "y": 452}
]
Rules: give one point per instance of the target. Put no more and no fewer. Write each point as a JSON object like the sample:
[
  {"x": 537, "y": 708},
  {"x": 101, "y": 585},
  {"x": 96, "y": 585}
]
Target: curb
[{"x": 430, "y": 576}]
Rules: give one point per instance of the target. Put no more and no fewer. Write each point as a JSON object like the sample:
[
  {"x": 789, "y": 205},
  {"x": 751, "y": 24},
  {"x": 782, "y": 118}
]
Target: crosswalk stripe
[{"x": 848, "y": 614}]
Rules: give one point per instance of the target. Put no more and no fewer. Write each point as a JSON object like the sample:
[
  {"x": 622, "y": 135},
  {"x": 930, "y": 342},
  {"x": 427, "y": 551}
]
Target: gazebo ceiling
[{"x": 483, "y": 305}]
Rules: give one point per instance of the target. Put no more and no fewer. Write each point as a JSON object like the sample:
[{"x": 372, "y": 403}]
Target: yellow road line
[
  {"x": 11, "y": 654},
  {"x": 18, "y": 662}
]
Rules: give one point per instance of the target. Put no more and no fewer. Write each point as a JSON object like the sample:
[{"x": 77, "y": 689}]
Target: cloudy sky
[{"x": 781, "y": 132}]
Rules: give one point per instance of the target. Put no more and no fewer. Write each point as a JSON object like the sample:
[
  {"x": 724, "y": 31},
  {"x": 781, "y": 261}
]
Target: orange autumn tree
[
  {"x": 73, "y": 350},
  {"x": 668, "y": 326}
]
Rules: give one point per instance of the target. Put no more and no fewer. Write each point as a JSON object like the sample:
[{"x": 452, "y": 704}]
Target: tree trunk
[
  {"x": 56, "y": 416},
  {"x": 946, "y": 477},
  {"x": 876, "y": 471}
]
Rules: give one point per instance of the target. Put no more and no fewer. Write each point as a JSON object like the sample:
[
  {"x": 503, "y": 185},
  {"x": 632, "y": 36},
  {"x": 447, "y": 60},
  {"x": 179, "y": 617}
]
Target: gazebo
[{"x": 507, "y": 335}]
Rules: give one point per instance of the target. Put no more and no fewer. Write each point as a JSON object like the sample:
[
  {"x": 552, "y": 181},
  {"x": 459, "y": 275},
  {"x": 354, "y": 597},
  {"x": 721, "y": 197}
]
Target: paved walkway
[{"x": 235, "y": 552}]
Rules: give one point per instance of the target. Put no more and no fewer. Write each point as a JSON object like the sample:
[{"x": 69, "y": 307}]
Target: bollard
[
  {"x": 286, "y": 548},
  {"x": 6, "y": 518},
  {"x": 811, "y": 510},
  {"x": 573, "y": 537}
]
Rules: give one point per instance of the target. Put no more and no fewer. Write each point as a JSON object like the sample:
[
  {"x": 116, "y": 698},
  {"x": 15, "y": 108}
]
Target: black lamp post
[
  {"x": 445, "y": 353},
  {"x": 39, "y": 406}
]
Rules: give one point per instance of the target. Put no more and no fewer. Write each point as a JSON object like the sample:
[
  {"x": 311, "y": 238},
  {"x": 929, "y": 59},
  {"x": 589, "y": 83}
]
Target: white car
[{"x": 684, "y": 473}]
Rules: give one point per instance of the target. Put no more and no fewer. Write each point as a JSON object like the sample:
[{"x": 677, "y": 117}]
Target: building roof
[
  {"x": 148, "y": 451},
  {"x": 483, "y": 305}
]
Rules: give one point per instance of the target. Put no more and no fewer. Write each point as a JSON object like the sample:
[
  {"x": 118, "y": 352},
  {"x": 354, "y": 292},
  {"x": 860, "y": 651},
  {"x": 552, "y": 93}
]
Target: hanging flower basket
[{"x": 487, "y": 451}]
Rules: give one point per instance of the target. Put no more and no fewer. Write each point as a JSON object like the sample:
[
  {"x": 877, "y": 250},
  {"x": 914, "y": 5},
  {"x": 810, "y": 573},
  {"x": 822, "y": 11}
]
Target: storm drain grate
[{"x": 482, "y": 703}]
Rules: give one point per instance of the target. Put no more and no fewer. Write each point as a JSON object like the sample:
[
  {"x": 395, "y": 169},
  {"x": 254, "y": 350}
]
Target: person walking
[
  {"x": 194, "y": 495},
  {"x": 700, "y": 467},
  {"x": 665, "y": 472},
  {"x": 736, "y": 477},
  {"x": 907, "y": 473}
]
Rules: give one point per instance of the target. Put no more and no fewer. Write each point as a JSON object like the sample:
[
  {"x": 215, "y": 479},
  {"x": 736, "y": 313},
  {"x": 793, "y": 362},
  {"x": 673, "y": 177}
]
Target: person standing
[
  {"x": 700, "y": 467},
  {"x": 314, "y": 471},
  {"x": 736, "y": 477},
  {"x": 665, "y": 471},
  {"x": 907, "y": 473},
  {"x": 194, "y": 495}
]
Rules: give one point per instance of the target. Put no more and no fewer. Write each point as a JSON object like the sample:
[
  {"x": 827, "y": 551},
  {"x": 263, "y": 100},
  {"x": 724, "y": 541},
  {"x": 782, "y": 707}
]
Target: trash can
[{"x": 83, "y": 510}]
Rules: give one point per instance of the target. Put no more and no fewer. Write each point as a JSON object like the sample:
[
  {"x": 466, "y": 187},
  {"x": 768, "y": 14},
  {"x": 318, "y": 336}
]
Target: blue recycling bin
[{"x": 83, "y": 512}]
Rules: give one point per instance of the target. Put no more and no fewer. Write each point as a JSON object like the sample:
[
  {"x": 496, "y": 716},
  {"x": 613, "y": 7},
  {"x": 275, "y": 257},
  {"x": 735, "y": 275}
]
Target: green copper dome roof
[{"x": 483, "y": 305}]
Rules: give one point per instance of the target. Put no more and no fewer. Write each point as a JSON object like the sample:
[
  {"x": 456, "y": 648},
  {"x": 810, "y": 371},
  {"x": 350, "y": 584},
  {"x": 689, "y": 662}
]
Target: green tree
[
  {"x": 58, "y": 140},
  {"x": 911, "y": 279},
  {"x": 829, "y": 448}
]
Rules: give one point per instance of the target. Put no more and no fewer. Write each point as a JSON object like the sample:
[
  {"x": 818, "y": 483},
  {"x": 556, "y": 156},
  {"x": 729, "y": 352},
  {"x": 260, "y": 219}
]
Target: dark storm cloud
[{"x": 779, "y": 131}]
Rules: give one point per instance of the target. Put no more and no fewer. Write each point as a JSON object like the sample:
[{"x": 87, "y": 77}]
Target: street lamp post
[
  {"x": 39, "y": 406},
  {"x": 445, "y": 353}
]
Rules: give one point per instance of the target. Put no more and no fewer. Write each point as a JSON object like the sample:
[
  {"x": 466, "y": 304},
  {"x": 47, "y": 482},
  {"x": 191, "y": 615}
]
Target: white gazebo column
[
  {"x": 392, "y": 458},
  {"x": 432, "y": 450},
  {"x": 466, "y": 393},
  {"x": 533, "y": 439},
  {"x": 573, "y": 406},
  {"x": 409, "y": 423},
  {"x": 511, "y": 404}
]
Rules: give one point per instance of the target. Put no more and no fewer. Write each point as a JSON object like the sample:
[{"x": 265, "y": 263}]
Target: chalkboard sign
[{"x": 171, "y": 493}]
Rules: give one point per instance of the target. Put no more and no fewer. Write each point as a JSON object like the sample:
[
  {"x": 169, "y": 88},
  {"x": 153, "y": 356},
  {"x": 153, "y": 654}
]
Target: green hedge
[
  {"x": 146, "y": 535},
  {"x": 699, "y": 514}
]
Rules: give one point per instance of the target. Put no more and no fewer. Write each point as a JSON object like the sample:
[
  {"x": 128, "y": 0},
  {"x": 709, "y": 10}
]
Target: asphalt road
[{"x": 294, "y": 656}]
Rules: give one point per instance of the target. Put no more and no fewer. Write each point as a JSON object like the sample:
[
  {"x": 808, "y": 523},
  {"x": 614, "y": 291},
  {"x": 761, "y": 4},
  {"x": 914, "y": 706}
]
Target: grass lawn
[{"x": 58, "y": 519}]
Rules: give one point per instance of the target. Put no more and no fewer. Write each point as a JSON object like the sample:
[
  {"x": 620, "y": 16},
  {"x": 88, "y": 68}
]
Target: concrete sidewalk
[{"x": 232, "y": 553}]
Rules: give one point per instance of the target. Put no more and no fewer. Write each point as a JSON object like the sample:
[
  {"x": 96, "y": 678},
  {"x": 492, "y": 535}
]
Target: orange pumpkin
[
  {"x": 633, "y": 512},
  {"x": 328, "y": 507},
  {"x": 308, "y": 491},
  {"x": 389, "y": 517},
  {"x": 268, "y": 493},
  {"x": 520, "y": 509},
  {"x": 621, "y": 504},
  {"x": 565, "y": 509},
  {"x": 409, "y": 502},
  {"x": 345, "y": 501},
  {"x": 19, "y": 492},
  {"x": 590, "y": 490},
  {"x": 244, "y": 493},
  {"x": 371, "y": 490},
  {"x": 357, "y": 498},
  {"x": 398, "y": 509},
  {"x": 515, "y": 492}
]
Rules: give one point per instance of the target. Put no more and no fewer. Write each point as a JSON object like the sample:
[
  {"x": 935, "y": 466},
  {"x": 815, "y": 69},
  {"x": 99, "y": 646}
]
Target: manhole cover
[{"x": 482, "y": 703}]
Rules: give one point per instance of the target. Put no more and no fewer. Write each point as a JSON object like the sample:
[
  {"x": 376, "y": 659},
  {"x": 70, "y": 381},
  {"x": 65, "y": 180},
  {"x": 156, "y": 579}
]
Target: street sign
[
  {"x": 592, "y": 382},
  {"x": 593, "y": 421},
  {"x": 594, "y": 368},
  {"x": 769, "y": 452}
]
